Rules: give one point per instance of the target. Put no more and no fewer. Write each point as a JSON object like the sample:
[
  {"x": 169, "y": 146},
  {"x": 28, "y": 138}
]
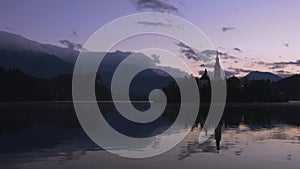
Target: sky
[{"x": 254, "y": 34}]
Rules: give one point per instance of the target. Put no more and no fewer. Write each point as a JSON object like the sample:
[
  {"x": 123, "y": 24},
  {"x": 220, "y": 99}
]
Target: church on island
[{"x": 204, "y": 81}]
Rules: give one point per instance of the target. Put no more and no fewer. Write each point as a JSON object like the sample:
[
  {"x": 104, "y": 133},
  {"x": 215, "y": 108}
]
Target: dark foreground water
[{"x": 48, "y": 135}]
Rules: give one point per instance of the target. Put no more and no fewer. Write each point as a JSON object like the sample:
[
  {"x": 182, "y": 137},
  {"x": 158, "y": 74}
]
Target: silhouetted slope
[
  {"x": 35, "y": 63},
  {"x": 14, "y": 42},
  {"x": 256, "y": 75}
]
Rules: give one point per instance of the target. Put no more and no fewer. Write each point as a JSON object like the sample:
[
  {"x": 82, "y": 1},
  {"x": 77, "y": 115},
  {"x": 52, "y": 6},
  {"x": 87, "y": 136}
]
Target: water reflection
[
  {"x": 30, "y": 132},
  {"x": 218, "y": 136}
]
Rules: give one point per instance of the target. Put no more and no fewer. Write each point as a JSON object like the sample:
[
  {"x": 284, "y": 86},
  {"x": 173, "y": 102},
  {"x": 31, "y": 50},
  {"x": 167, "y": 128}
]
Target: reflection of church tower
[{"x": 217, "y": 71}]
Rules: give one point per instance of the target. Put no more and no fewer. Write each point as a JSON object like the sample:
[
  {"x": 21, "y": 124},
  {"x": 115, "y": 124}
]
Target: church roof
[{"x": 204, "y": 76}]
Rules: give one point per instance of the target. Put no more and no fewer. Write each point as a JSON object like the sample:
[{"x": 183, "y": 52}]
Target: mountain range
[
  {"x": 14, "y": 42},
  {"x": 256, "y": 75},
  {"x": 48, "y": 62},
  {"x": 45, "y": 66}
]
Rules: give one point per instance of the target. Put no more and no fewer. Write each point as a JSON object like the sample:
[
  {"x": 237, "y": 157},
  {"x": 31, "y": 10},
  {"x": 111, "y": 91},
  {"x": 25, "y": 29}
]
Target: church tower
[{"x": 217, "y": 71}]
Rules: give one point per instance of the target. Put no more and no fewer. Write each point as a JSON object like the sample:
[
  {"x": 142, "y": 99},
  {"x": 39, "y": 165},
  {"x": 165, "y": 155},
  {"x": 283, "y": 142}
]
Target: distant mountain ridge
[
  {"x": 48, "y": 61},
  {"x": 256, "y": 75},
  {"x": 19, "y": 52},
  {"x": 10, "y": 41},
  {"x": 36, "y": 64}
]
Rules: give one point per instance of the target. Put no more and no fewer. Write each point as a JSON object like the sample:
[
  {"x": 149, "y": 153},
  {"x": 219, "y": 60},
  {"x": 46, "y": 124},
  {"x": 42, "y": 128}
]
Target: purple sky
[{"x": 266, "y": 32}]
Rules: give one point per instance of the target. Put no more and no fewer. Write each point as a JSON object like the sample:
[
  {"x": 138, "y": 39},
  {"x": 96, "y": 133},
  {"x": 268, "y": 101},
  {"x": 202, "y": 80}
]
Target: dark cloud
[
  {"x": 278, "y": 65},
  {"x": 229, "y": 73},
  {"x": 297, "y": 63},
  {"x": 260, "y": 62},
  {"x": 146, "y": 23},
  {"x": 188, "y": 52},
  {"x": 237, "y": 49},
  {"x": 283, "y": 73},
  {"x": 226, "y": 56},
  {"x": 211, "y": 52},
  {"x": 10, "y": 29},
  {"x": 220, "y": 53},
  {"x": 225, "y": 29},
  {"x": 209, "y": 56},
  {"x": 240, "y": 70},
  {"x": 280, "y": 71},
  {"x": 154, "y": 5},
  {"x": 155, "y": 58},
  {"x": 286, "y": 45},
  {"x": 206, "y": 56},
  {"x": 71, "y": 45},
  {"x": 74, "y": 33}
]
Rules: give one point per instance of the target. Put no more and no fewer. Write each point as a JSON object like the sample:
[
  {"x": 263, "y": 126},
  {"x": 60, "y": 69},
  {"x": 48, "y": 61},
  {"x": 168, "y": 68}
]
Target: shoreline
[{"x": 142, "y": 102}]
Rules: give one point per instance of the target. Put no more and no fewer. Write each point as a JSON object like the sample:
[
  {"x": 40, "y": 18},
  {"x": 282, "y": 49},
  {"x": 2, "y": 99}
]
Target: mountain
[
  {"x": 49, "y": 61},
  {"x": 14, "y": 42},
  {"x": 34, "y": 58},
  {"x": 36, "y": 64},
  {"x": 256, "y": 75},
  {"x": 144, "y": 81}
]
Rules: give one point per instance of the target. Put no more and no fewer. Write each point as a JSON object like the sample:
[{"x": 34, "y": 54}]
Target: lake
[{"x": 48, "y": 135}]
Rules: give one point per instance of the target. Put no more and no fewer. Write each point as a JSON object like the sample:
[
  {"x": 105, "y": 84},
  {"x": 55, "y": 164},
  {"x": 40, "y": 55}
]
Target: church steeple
[
  {"x": 217, "y": 71},
  {"x": 217, "y": 58}
]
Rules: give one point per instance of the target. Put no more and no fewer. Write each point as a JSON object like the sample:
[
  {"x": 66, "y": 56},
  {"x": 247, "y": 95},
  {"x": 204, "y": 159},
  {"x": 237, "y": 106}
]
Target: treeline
[
  {"x": 253, "y": 91},
  {"x": 242, "y": 90},
  {"x": 18, "y": 86}
]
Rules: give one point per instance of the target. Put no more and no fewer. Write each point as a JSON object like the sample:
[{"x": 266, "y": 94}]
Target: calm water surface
[{"x": 48, "y": 135}]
